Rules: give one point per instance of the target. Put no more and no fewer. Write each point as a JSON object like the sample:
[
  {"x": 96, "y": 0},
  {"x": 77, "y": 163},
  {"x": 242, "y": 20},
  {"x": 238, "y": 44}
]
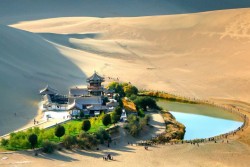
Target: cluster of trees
[
  {"x": 44, "y": 138},
  {"x": 27, "y": 139},
  {"x": 142, "y": 102},
  {"x": 123, "y": 89},
  {"x": 86, "y": 140},
  {"x": 130, "y": 91},
  {"x": 136, "y": 124}
]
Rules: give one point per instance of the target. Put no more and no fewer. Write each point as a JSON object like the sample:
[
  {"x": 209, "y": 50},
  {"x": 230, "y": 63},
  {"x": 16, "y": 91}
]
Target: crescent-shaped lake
[{"x": 201, "y": 120}]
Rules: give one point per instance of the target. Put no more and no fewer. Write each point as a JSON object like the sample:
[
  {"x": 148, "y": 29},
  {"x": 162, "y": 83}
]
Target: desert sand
[{"x": 163, "y": 46}]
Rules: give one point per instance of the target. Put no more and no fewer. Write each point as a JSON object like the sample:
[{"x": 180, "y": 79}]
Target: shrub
[
  {"x": 105, "y": 100},
  {"x": 69, "y": 141},
  {"x": 118, "y": 110},
  {"x": 33, "y": 140},
  {"x": 86, "y": 125},
  {"x": 114, "y": 117},
  {"x": 106, "y": 119},
  {"x": 141, "y": 113},
  {"x": 134, "y": 130},
  {"x": 86, "y": 140},
  {"x": 102, "y": 135},
  {"x": 59, "y": 131},
  {"x": 135, "y": 124},
  {"x": 132, "y": 97},
  {"x": 81, "y": 114},
  {"x": 147, "y": 118},
  {"x": 4, "y": 142},
  {"x": 48, "y": 147}
]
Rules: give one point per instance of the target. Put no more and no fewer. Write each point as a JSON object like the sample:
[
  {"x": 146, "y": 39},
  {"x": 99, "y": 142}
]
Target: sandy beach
[{"x": 200, "y": 52}]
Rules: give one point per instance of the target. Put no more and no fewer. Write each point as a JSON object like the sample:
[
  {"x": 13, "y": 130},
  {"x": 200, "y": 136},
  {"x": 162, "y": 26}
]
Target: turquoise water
[
  {"x": 199, "y": 126},
  {"x": 201, "y": 121}
]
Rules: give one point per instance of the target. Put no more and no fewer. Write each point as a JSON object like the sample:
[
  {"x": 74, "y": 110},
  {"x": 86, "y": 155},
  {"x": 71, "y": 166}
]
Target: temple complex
[{"x": 87, "y": 100}]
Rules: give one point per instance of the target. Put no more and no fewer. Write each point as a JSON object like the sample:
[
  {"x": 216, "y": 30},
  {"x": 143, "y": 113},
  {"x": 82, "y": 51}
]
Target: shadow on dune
[
  {"x": 27, "y": 64},
  {"x": 22, "y": 10},
  {"x": 64, "y": 39},
  {"x": 76, "y": 41}
]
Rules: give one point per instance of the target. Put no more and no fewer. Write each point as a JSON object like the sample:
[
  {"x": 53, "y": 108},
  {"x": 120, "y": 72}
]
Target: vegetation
[
  {"x": 129, "y": 105},
  {"x": 81, "y": 114},
  {"x": 48, "y": 146},
  {"x": 86, "y": 140},
  {"x": 4, "y": 142},
  {"x": 165, "y": 95},
  {"x": 86, "y": 125},
  {"x": 123, "y": 89},
  {"x": 33, "y": 140},
  {"x": 59, "y": 131},
  {"x": 106, "y": 119},
  {"x": 20, "y": 140},
  {"x": 118, "y": 110},
  {"x": 117, "y": 87},
  {"x": 129, "y": 89},
  {"x": 114, "y": 117},
  {"x": 136, "y": 124},
  {"x": 75, "y": 131},
  {"x": 174, "y": 129},
  {"x": 144, "y": 102},
  {"x": 102, "y": 135},
  {"x": 105, "y": 100},
  {"x": 69, "y": 141}
]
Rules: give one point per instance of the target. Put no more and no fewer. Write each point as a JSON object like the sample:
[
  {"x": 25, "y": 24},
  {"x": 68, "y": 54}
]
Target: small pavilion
[{"x": 95, "y": 87}]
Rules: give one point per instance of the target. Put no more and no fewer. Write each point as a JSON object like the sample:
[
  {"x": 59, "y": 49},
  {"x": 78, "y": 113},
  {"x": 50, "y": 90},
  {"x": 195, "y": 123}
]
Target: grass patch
[{"x": 19, "y": 140}]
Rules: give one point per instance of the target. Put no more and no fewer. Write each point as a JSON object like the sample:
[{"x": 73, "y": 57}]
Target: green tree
[
  {"x": 59, "y": 131},
  {"x": 102, "y": 135},
  {"x": 118, "y": 110},
  {"x": 105, "y": 100},
  {"x": 86, "y": 125},
  {"x": 141, "y": 112},
  {"x": 106, "y": 119},
  {"x": 144, "y": 102},
  {"x": 114, "y": 117},
  {"x": 133, "y": 97},
  {"x": 117, "y": 87},
  {"x": 81, "y": 114},
  {"x": 33, "y": 140},
  {"x": 4, "y": 142},
  {"x": 130, "y": 90}
]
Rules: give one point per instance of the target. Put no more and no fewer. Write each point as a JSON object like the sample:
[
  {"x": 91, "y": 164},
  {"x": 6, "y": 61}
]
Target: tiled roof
[
  {"x": 48, "y": 91},
  {"x": 78, "y": 92},
  {"x": 95, "y": 77}
]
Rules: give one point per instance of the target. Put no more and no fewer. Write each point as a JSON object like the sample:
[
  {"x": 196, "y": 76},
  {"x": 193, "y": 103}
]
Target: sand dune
[
  {"x": 27, "y": 64},
  {"x": 204, "y": 55},
  {"x": 191, "y": 55},
  {"x": 22, "y": 10},
  {"x": 201, "y": 55}
]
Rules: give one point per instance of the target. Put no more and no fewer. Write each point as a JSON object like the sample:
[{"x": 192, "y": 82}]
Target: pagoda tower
[{"x": 95, "y": 87}]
